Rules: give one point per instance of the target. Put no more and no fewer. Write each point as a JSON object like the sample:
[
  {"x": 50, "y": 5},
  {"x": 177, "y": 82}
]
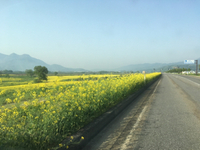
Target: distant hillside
[
  {"x": 157, "y": 66},
  {"x": 22, "y": 62}
]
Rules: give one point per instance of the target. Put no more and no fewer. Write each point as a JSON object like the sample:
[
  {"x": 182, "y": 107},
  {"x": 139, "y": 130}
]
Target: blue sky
[{"x": 101, "y": 34}]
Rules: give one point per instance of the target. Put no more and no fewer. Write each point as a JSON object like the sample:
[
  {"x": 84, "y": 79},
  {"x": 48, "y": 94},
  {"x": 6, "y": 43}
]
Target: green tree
[
  {"x": 55, "y": 73},
  {"x": 41, "y": 72},
  {"x": 29, "y": 72},
  {"x": 7, "y": 75},
  {"x": 7, "y": 71}
]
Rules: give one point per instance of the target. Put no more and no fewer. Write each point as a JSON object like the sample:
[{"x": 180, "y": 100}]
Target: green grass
[{"x": 23, "y": 80}]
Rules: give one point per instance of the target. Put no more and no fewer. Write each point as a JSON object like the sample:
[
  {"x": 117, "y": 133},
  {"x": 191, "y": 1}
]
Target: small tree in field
[
  {"x": 41, "y": 72},
  {"x": 55, "y": 73},
  {"x": 7, "y": 75},
  {"x": 29, "y": 72}
]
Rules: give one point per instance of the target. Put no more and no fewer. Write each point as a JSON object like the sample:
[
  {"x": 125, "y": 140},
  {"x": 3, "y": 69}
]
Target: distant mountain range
[
  {"x": 22, "y": 62},
  {"x": 157, "y": 66}
]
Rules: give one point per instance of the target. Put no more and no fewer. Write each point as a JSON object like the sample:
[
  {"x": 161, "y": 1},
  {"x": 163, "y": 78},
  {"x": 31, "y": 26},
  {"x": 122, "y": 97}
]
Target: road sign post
[
  {"x": 192, "y": 62},
  {"x": 189, "y": 61},
  {"x": 144, "y": 77},
  {"x": 197, "y": 70}
]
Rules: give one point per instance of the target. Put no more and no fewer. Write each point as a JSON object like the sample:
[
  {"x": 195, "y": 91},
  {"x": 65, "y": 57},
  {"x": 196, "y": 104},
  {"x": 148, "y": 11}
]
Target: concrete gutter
[{"x": 93, "y": 128}]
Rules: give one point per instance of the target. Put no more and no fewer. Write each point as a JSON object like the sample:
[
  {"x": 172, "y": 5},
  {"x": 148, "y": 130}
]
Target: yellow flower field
[
  {"x": 44, "y": 114},
  {"x": 61, "y": 78}
]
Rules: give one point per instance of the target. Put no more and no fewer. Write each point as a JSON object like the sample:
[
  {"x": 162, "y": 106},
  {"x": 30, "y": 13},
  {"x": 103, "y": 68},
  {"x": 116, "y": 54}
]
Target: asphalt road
[{"x": 165, "y": 117}]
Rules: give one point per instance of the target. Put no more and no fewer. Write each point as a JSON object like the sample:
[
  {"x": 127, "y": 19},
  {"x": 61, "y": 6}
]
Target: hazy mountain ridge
[
  {"x": 157, "y": 66},
  {"x": 17, "y": 62}
]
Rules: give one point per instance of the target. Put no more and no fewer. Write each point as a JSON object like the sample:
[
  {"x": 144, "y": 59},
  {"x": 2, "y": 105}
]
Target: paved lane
[
  {"x": 190, "y": 77},
  {"x": 165, "y": 116},
  {"x": 173, "y": 121}
]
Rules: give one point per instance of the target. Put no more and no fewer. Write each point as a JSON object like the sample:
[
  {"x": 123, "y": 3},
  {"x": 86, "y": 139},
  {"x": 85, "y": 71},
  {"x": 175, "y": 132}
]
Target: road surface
[{"x": 166, "y": 116}]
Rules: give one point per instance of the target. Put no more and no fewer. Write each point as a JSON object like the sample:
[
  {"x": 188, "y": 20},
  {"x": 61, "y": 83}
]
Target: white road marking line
[
  {"x": 124, "y": 146},
  {"x": 155, "y": 88}
]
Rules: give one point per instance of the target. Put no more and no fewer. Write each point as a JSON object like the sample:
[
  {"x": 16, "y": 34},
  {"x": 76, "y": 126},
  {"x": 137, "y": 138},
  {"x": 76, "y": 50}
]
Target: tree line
[
  {"x": 40, "y": 71},
  {"x": 178, "y": 70}
]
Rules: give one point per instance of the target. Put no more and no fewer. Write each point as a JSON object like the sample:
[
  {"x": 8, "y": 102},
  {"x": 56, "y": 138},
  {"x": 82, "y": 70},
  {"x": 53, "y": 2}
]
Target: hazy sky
[{"x": 101, "y": 34}]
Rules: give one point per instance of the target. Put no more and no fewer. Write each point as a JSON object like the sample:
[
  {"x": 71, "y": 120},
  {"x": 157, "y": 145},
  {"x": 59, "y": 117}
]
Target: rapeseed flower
[{"x": 64, "y": 107}]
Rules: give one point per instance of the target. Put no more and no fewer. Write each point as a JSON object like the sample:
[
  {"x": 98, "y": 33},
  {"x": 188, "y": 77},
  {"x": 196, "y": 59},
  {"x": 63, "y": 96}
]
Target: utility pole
[{"x": 197, "y": 69}]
